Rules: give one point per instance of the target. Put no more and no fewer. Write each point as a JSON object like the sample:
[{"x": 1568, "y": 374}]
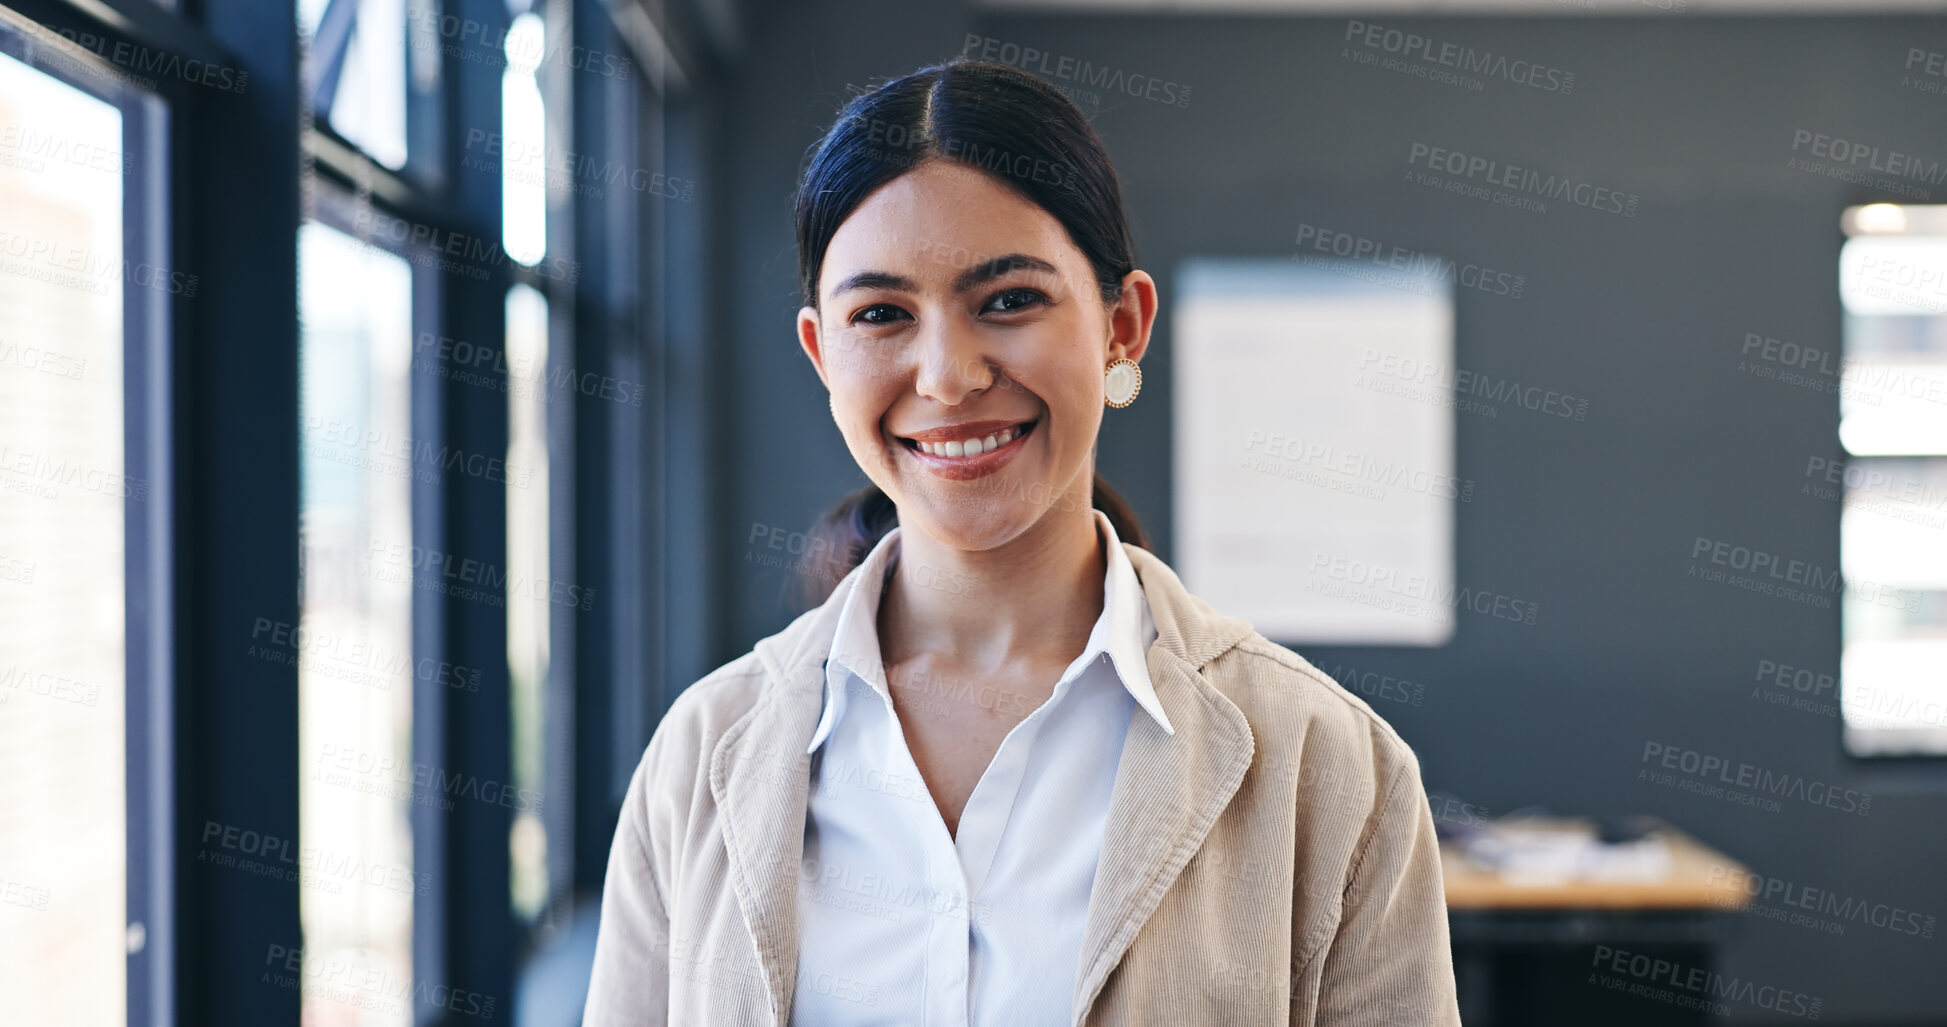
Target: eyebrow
[{"x": 984, "y": 271}]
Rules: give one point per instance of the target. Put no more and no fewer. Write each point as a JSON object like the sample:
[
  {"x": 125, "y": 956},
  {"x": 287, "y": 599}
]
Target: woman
[{"x": 1009, "y": 771}]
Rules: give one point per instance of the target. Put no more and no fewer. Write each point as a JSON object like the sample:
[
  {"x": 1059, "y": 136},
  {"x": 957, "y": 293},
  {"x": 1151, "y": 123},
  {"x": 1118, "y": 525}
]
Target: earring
[{"x": 1122, "y": 379}]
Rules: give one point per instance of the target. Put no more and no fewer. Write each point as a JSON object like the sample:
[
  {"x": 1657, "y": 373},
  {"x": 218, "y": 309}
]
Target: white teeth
[{"x": 969, "y": 447}]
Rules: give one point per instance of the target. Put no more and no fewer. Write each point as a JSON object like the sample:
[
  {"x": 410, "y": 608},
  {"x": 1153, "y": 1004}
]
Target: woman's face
[{"x": 953, "y": 311}]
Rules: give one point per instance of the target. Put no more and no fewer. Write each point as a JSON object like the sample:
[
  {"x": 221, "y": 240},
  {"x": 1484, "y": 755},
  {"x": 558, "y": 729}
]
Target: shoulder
[
  {"x": 700, "y": 715},
  {"x": 1309, "y": 726}
]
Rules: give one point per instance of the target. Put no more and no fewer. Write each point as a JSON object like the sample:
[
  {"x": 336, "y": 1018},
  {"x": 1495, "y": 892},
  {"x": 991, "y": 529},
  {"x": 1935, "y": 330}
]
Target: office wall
[{"x": 1595, "y": 520}]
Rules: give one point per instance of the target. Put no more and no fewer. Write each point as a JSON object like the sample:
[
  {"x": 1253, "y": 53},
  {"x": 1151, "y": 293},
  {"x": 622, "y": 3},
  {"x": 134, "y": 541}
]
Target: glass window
[
  {"x": 1893, "y": 480},
  {"x": 366, "y": 98},
  {"x": 354, "y": 638},
  {"x": 527, "y": 559},
  {"x": 524, "y": 166},
  {"x": 64, "y": 937}
]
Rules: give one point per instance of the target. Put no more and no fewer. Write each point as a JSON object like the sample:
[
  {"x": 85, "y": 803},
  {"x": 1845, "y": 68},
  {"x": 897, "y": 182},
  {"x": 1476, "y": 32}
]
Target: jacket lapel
[
  {"x": 1169, "y": 789},
  {"x": 760, "y": 778}
]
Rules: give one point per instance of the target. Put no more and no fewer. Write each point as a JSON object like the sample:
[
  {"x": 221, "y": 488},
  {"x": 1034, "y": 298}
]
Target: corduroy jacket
[{"x": 1272, "y": 862}]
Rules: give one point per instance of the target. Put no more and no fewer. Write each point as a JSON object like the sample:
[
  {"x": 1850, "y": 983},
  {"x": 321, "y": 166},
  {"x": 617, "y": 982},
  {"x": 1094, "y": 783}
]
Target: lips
[{"x": 966, "y": 451}]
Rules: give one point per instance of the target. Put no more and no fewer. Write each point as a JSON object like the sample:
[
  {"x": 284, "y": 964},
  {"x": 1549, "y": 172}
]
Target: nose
[{"x": 953, "y": 362}]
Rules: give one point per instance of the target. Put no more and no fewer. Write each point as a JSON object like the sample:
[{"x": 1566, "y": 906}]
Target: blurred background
[{"x": 399, "y": 406}]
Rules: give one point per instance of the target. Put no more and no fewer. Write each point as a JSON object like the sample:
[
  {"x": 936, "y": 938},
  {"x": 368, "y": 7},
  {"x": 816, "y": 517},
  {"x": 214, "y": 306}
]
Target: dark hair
[{"x": 991, "y": 117}]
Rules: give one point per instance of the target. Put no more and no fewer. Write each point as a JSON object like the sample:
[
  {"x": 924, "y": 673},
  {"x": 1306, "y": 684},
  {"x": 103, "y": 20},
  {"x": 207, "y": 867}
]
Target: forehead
[{"x": 939, "y": 219}]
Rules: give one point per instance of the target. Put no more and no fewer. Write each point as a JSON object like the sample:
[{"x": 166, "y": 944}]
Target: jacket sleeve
[
  {"x": 630, "y": 982},
  {"x": 1390, "y": 964}
]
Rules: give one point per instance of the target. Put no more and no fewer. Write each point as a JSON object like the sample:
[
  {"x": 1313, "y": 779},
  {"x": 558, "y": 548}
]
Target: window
[
  {"x": 528, "y": 608},
  {"x": 64, "y": 494},
  {"x": 358, "y": 70},
  {"x": 353, "y": 642},
  {"x": 1893, "y": 480}
]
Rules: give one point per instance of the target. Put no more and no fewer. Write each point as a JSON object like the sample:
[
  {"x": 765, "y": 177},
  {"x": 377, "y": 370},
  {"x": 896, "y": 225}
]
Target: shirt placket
[{"x": 947, "y": 945}]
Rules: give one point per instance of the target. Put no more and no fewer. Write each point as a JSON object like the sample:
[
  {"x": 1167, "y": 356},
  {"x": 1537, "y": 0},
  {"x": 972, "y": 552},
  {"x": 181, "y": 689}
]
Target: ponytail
[{"x": 857, "y": 523}]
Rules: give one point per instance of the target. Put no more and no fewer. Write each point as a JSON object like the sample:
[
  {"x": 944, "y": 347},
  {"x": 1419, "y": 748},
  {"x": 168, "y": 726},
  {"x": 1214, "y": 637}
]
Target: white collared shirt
[{"x": 902, "y": 923}]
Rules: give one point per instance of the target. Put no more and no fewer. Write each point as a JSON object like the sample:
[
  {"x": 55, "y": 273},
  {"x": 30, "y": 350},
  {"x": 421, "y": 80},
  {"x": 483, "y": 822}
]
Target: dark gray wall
[{"x": 1593, "y": 520}]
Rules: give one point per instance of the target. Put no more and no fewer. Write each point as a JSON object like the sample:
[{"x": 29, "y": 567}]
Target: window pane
[
  {"x": 524, "y": 168},
  {"x": 369, "y": 105},
  {"x": 63, "y": 947},
  {"x": 527, "y": 558},
  {"x": 354, "y": 637},
  {"x": 1893, "y": 525}
]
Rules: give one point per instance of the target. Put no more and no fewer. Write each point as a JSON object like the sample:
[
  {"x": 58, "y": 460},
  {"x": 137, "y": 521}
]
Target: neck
[{"x": 1033, "y": 600}]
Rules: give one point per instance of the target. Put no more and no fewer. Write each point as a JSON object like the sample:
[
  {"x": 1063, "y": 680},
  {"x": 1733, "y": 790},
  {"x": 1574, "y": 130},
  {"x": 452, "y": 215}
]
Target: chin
[{"x": 974, "y": 525}]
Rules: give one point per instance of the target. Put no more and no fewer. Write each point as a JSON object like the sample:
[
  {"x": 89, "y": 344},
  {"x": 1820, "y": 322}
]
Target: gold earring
[{"x": 1122, "y": 379}]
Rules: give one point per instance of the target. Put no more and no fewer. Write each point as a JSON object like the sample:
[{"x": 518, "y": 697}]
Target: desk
[{"x": 1540, "y": 952}]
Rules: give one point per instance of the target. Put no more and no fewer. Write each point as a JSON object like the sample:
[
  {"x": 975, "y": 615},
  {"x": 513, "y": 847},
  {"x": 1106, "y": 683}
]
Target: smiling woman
[{"x": 1024, "y": 776}]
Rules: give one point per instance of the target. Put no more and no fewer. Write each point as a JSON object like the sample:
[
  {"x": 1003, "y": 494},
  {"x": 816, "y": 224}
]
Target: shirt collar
[{"x": 1123, "y": 632}]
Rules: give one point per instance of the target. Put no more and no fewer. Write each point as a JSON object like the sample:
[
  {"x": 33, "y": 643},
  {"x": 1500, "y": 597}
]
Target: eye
[
  {"x": 1008, "y": 301},
  {"x": 878, "y": 314}
]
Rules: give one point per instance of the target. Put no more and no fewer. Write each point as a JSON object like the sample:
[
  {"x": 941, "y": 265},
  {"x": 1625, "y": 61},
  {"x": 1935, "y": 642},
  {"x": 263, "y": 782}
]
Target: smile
[{"x": 969, "y": 451}]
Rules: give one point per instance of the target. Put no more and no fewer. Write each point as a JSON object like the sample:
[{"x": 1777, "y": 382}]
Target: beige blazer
[{"x": 1273, "y": 861}]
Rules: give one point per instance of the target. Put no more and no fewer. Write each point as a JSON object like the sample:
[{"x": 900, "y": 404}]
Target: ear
[
  {"x": 1132, "y": 317},
  {"x": 814, "y": 345}
]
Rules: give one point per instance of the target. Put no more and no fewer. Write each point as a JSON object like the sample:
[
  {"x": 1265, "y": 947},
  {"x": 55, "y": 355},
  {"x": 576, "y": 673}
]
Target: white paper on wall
[{"x": 1314, "y": 448}]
